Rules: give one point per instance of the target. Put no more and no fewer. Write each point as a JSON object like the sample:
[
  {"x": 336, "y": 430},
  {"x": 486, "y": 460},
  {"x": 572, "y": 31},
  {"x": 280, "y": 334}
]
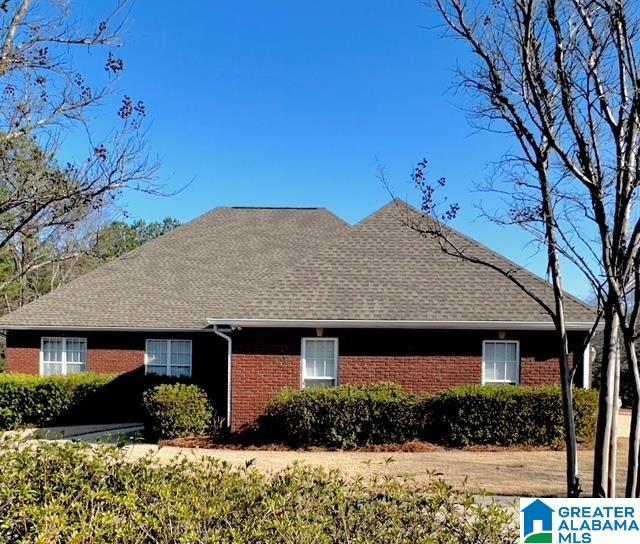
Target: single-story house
[{"x": 251, "y": 300}]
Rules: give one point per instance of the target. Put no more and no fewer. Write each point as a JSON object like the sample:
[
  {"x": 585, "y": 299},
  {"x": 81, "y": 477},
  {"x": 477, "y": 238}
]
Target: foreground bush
[
  {"x": 344, "y": 417},
  {"x": 508, "y": 416},
  {"x": 74, "y": 399},
  {"x": 59, "y": 493},
  {"x": 176, "y": 411},
  {"x": 9, "y": 419}
]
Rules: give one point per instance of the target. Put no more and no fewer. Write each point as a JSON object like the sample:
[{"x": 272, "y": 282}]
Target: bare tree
[
  {"x": 561, "y": 76},
  {"x": 432, "y": 223},
  {"x": 44, "y": 99}
]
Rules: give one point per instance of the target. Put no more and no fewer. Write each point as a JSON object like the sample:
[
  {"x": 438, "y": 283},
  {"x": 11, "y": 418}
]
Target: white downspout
[{"x": 228, "y": 339}]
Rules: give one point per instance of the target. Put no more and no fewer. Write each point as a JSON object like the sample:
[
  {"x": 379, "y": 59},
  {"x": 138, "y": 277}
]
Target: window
[
  {"x": 501, "y": 361},
  {"x": 168, "y": 357},
  {"x": 319, "y": 362},
  {"x": 62, "y": 356}
]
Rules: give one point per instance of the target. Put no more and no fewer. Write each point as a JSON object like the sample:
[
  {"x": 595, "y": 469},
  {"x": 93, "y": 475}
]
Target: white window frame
[
  {"x": 518, "y": 362},
  {"x": 168, "y": 342},
  {"x": 64, "y": 352},
  {"x": 336, "y": 360}
]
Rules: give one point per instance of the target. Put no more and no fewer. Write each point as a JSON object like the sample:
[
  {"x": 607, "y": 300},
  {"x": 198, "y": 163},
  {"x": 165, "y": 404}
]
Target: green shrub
[
  {"x": 59, "y": 493},
  {"x": 508, "y": 416},
  {"x": 344, "y": 417},
  {"x": 9, "y": 419},
  {"x": 74, "y": 399},
  {"x": 176, "y": 410},
  {"x": 351, "y": 416},
  {"x": 585, "y": 406},
  {"x": 47, "y": 401}
]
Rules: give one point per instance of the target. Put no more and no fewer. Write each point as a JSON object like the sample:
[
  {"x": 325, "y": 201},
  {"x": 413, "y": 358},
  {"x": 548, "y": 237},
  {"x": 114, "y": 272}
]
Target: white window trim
[
  {"x": 518, "y": 363},
  {"x": 168, "y": 342},
  {"x": 64, "y": 352},
  {"x": 336, "y": 360}
]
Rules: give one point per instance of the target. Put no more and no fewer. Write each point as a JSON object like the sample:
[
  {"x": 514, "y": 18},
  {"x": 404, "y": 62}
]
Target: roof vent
[{"x": 273, "y": 208}]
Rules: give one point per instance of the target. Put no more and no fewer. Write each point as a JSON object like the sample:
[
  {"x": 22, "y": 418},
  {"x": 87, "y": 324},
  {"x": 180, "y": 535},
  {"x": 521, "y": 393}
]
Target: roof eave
[
  {"x": 325, "y": 323},
  {"x": 23, "y": 327},
  {"x": 399, "y": 324}
]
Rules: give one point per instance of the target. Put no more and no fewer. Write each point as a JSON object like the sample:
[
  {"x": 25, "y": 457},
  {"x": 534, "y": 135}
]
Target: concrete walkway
[
  {"x": 624, "y": 423},
  {"x": 103, "y": 433}
]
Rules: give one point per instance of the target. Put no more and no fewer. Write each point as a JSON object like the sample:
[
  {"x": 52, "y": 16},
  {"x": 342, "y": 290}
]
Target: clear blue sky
[{"x": 289, "y": 103}]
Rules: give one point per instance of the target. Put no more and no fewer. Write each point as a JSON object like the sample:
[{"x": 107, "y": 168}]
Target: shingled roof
[{"x": 291, "y": 265}]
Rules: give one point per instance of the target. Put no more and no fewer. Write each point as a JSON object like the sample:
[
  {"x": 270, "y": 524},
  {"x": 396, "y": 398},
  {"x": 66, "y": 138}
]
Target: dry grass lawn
[{"x": 515, "y": 473}]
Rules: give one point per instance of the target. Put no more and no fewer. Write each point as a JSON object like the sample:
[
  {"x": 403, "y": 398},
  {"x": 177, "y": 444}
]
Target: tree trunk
[
  {"x": 607, "y": 405},
  {"x": 566, "y": 376},
  {"x": 574, "y": 488},
  {"x": 613, "y": 443},
  {"x": 633, "y": 485}
]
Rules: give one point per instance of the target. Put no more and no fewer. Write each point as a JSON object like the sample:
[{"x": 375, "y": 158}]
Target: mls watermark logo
[
  {"x": 580, "y": 521},
  {"x": 537, "y": 522}
]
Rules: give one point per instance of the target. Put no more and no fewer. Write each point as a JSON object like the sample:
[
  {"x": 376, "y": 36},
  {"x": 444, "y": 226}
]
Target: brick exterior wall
[
  {"x": 123, "y": 353},
  {"x": 106, "y": 352},
  {"x": 22, "y": 359},
  {"x": 415, "y": 373},
  {"x": 266, "y": 360},
  {"x": 539, "y": 372},
  {"x": 255, "y": 379}
]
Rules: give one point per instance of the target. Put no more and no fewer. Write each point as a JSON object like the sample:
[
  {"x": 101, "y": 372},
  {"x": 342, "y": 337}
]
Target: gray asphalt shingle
[{"x": 262, "y": 263}]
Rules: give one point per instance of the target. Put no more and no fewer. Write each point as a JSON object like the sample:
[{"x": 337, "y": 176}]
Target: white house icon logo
[{"x": 538, "y": 523}]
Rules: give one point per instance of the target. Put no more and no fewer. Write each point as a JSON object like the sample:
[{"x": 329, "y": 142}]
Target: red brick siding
[
  {"x": 103, "y": 361},
  {"x": 123, "y": 353},
  {"x": 539, "y": 364},
  {"x": 265, "y": 361},
  {"x": 417, "y": 374},
  {"x": 117, "y": 361},
  {"x": 257, "y": 378},
  {"x": 106, "y": 352},
  {"x": 23, "y": 360},
  {"x": 539, "y": 372}
]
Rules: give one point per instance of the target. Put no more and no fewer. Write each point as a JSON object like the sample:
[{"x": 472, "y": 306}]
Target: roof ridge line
[{"x": 305, "y": 208}]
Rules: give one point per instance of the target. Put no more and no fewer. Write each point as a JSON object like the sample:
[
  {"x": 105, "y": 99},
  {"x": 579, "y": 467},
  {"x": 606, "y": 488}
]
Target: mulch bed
[
  {"x": 208, "y": 443},
  {"x": 413, "y": 446}
]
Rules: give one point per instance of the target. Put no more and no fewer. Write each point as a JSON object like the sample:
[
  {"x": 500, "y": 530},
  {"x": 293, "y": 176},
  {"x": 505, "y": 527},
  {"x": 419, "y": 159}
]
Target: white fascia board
[{"x": 398, "y": 324}]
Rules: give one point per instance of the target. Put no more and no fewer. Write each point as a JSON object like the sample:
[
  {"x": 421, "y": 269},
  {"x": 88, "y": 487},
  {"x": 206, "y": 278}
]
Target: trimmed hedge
[
  {"x": 344, "y": 417},
  {"x": 351, "y": 416},
  {"x": 508, "y": 416},
  {"x": 59, "y": 493},
  {"x": 176, "y": 411},
  {"x": 74, "y": 399},
  {"x": 47, "y": 401}
]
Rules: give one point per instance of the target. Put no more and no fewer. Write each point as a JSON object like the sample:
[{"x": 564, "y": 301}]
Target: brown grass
[{"x": 499, "y": 471}]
